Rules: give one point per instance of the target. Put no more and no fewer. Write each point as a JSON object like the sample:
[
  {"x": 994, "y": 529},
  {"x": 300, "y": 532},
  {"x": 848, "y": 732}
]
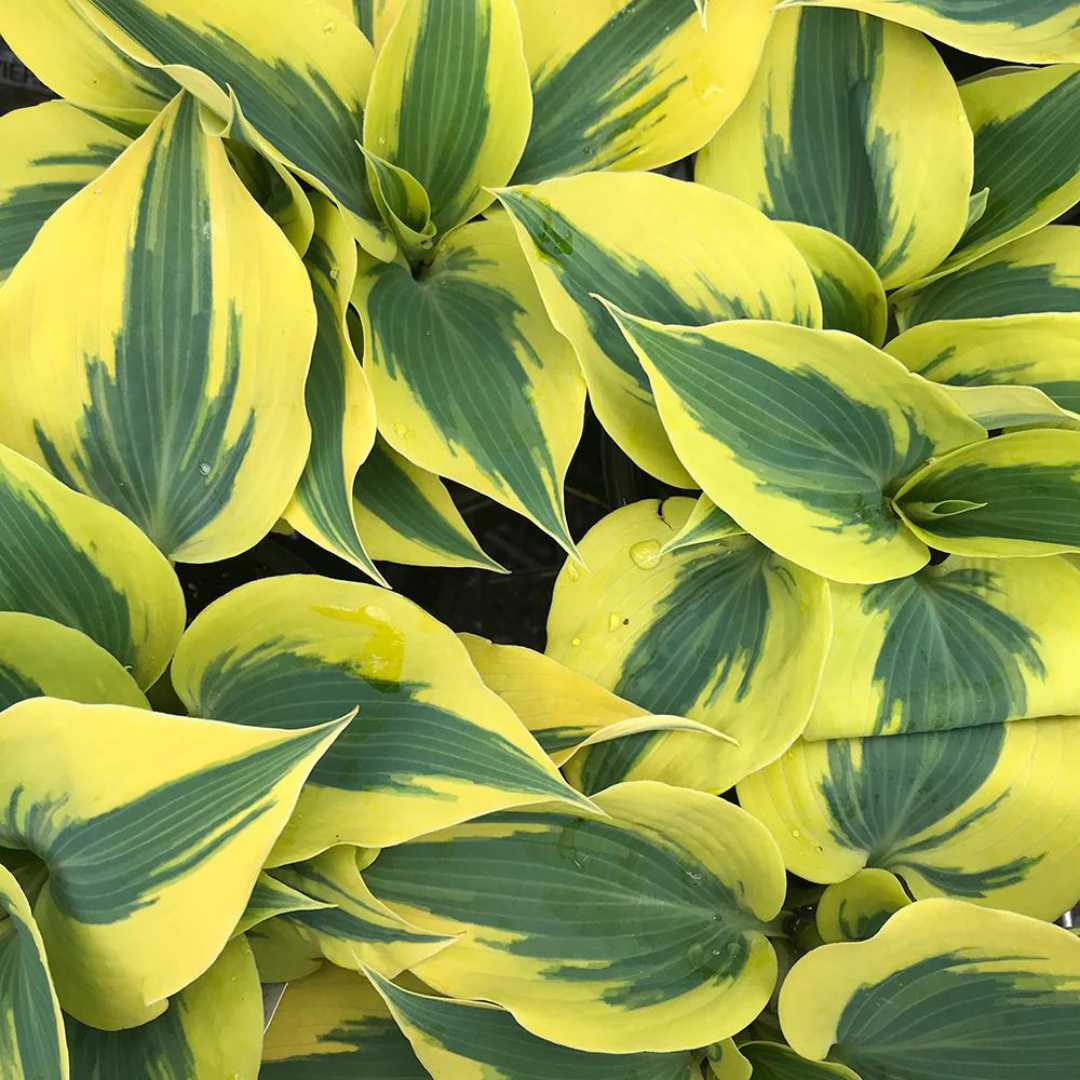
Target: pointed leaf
[
  {"x": 403, "y": 203},
  {"x": 450, "y": 101},
  {"x": 706, "y": 523},
  {"x": 153, "y": 829},
  {"x": 831, "y": 135},
  {"x": 47, "y": 154},
  {"x": 1014, "y": 495},
  {"x": 269, "y": 899},
  {"x": 662, "y": 249},
  {"x": 725, "y": 633},
  {"x": 213, "y": 1028},
  {"x": 67, "y": 558},
  {"x": 961, "y": 643},
  {"x": 459, "y": 1039},
  {"x": 801, "y": 435},
  {"x": 31, "y": 1026},
  {"x": 632, "y": 84},
  {"x": 431, "y": 745},
  {"x": 471, "y": 379},
  {"x": 641, "y": 932},
  {"x": 339, "y": 402},
  {"x": 983, "y": 813},
  {"x": 982, "y": 994},
  {"x": 148, "y": 392},
  {"x": 406, "y": 515}
]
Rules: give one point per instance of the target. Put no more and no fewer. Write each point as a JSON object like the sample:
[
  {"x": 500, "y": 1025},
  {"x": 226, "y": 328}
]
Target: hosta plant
[{"x": 791, "y": 792}]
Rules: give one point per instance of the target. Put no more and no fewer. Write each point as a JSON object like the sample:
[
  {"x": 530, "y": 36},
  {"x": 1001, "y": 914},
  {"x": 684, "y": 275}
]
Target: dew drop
[
  {"x": 373, "y": 611},
  {"x": 572, "y": 571},
  {"x": 575, "y": 642},
  {"x": 97, "y": 191},
  {"x": 207, "y": 230},
  {"x": 646, "y": 553},
  {"x": 328, "y": 28},
  {"x": 401, "y": 429},
  {"x": 614, "y": 621},
  {"x": 695, "y": 877},
  {"x": 795, "y": 833},
  {"x": 204, "y": 468},
  {"x": 335, "y": 273},
  {"x": 695, "y": 954}
]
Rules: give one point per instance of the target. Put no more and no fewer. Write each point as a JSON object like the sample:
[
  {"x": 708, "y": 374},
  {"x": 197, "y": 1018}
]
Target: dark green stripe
[
  {"x": 394, "y": 743},
  {"x": 561, "y": 738},
  {"x": 503, "y": 1049},
  {"x": 715, "y": 524},
  {"x": 298, "y": 112},
  {"x": 388, "y": 492},
  {"x": 582, "y": 107},
  {"x": 16, "y": 686},
  {"x": 152, "y": 435},
  {"x": 649, "y": 920},
  {"x": 942, "y": 1019},
  {"x": 1025, "y": 158},
  {"x": 713, "y": 620},
  {"x": 952, "y": 656},
  {"x": 378, "y": 1052},
  {"x": 44, "y": 572},
  {"x": 841, "y": 308},
  {"x": 156, "y": 1051},
  {"x": 364, "y": 13},
  {"x": 903, "y": 786},
  {"x": 775, "y": 1062},
  {"x": 1020, "y": 13},
  {"x": 457, "y": 343},
  {"x": 445, "y": 115},
  {"x": 104, "y": 868}
]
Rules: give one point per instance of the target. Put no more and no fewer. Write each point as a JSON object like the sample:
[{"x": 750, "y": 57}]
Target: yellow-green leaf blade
[
  {"x": 406, "y": 515},
  {"x": 31, "y": 1025},
  {"x": 858, "y": 908},
  {"x": 987, "y": 994},
  {"x": 638, "y": 932},
  {"x": 67, "y": 558},
  {"x": 269, "y": 899},
  {"x": 662, "y": 249},
  {"x": 774, "y": 1061},
  {"x": 471, "y": 380},
  {"x": 725, "y": 633},
  {"x": 706, "y": 523},
  {"x": 454, "y": 1039},
  {"x": 632, "y": 84},
  {"x": 450, "y": 101},
  {"x": 1014, "y": 495},
  {"x": 801, "y": 435},
  {"x": 150, "y": 392},
  {"x": 1017, "y": 30},
  {"x": 47, "y": 154},
  {"x": 993, "y": 823},
  {"x": 150, "y": 865},
  {"x": 339, "y": 402},
  {"x": 961, "y": 643},
  {"x": 831, "y": 135},
  {"x": 431, "y": 745},
  {"x": 213, "y": 1028}
]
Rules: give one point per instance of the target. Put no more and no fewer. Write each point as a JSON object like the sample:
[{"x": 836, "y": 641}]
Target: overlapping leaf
[{"x": 856, "y": 909}]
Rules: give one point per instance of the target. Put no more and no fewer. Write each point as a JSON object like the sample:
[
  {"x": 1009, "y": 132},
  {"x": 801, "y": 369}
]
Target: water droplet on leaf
[{"x": 646, "y": 553}]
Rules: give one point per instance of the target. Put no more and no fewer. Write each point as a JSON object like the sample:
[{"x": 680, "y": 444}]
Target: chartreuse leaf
[
  {"x": 450, "y": 101},
  {"x": 1019, "y": 30},
  {"x": 706, "y": 523},
  {"x": 338, "y": 399},
  {"x": 726, "y": 633},
  {"x": 269, "y": 899},
  {"x": 945, "y": 990},
  {"x": 283, "y": 952},
  {"x": 459, "y": 1040},
  {"x": 831, "y": 135},
  {"x": 545, "y": 694},
  {"x": 406, "y": 515},
  {"x": 67, "y": 558},
  {"x": 858, "y": 908},
  {"x": 726, "y": 1062},
  {"x": 852, "y": 296},
  {"x": 58, "y": 43},
  {"x": 632, "y": 84},
  {"x": 301, "y": 79},
  {"x": 31, "y": 1026},
  {"x": 151, "y": 392},
  {"x": 40, "y": 658},
  {"x": 213, "y": 1028},
  {"x": 334, "y": 1023},
  {"x": 962, "y": 643},
  {"x": 1039, "y": 350},
  {"x": 983, "y": 813},
  {"x": 152, "y": 858},
  {"x": 471, "y": 379},
  {"x": 1027, "y": 152},
  {"x": 403, "y": 203},
  {"x": 1013, "y": 495},
  {"x": 374, "y": 17},
  {"x": 358, "y": 929},
  {"x": 774, "y": 1061},
  {"x": 802, "y": 436},
  {"x": 660, "y": 248},
  {"x": 47, "y": 154},
  {"x": 640, "y": 932},
  {"x": 431, "y": 745},
  {"x": 1003, "y": 407},
  {"x": 1037, "y": 273}
]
